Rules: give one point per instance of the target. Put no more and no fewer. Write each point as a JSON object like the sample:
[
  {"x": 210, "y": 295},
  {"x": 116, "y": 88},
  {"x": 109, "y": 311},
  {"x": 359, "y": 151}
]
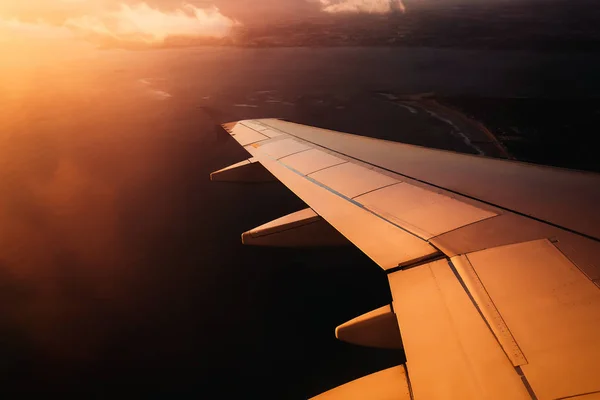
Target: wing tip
[{"x": 228, "y": 126}]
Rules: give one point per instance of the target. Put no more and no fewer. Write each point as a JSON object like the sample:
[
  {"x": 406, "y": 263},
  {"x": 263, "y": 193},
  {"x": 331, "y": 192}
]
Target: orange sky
[{"x": 149, "y": 22}]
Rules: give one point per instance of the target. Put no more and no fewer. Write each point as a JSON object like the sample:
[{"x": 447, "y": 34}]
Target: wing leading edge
[{"x": 492, "y": 264}]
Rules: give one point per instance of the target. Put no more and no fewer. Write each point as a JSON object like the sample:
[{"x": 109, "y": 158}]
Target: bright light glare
[
  {"x": 362, "y": 6},
  {"x": 144, "y": 23},
  {"x": 131, "y": 23}
]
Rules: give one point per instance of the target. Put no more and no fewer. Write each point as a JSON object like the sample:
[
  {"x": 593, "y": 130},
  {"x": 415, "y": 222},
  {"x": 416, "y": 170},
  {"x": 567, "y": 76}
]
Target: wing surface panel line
[
  {"x": 383, "y": 187},
  {"x": 417, "y": 262},
  {"x": 354, "y": 202},
  {"x": 329, "y": 166},
  {"x": 256, "y": 141},
  {"x": 450, "y": 190},
  {"x": 488, "y": 310},
  {"x": 517, "y": 368},
  {"x": 582, "y": 395},
  {"x": 466, "y": 225},
  {"x": 294, "y": 153},
  {"x": 410, "y": 390}
]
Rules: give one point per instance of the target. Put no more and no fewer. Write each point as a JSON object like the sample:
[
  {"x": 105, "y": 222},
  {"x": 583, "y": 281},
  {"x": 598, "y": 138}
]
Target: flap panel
[
  {"x": 450, "y": 351},
  {"x": 552, "y": 310}
]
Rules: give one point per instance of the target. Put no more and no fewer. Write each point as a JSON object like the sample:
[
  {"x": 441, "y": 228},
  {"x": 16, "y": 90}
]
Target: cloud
[
  {"x": 151, "y": 25},
  {"x": 362, "y": 6},
  {"x": 113, "y": 23}
]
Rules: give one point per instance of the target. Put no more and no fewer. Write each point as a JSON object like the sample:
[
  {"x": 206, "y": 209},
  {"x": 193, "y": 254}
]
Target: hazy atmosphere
[{"x": 121, "y": 266}]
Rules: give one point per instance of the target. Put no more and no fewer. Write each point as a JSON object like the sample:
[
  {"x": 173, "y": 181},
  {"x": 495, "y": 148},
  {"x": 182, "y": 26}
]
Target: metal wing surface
[{"x": 492, "y": 264}]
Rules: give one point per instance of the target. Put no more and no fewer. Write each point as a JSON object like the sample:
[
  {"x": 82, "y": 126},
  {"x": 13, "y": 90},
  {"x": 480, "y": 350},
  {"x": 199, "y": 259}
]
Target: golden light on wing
[{"x": 362, "y": 6}]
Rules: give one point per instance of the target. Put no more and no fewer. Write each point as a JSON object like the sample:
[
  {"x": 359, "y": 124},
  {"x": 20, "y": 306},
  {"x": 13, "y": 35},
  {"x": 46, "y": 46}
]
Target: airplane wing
[{"x": 492, "y": 264}]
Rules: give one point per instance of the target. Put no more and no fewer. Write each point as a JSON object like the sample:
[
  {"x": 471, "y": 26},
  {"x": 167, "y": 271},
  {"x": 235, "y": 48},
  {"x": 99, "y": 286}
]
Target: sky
[{"x": 151, "y": 21}]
